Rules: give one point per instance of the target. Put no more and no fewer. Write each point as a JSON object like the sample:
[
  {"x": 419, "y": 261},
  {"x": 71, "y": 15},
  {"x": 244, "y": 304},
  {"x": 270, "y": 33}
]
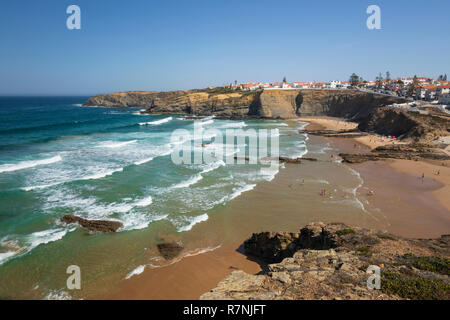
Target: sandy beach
[{"x": 394, "y": 197}]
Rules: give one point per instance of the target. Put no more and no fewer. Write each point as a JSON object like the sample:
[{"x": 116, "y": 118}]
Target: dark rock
[
  {"x": 414, "y": 151},
  {"x": 93, "y": 225},
  {"x": 330, "y": 261},
  {"x": 290, "y": 160},
  {"x": 271, "y": 246},
  {"x": 169, "y": 250}
]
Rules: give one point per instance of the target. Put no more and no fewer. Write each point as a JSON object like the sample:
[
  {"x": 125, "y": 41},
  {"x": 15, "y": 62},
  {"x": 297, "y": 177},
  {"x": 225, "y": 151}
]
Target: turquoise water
[{"x": 58, "y": 157}]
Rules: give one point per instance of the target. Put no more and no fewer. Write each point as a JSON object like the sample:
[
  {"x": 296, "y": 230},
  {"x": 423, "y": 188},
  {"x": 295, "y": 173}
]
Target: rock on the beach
[
  {"x": 93, "y": 225},
  {"x": 413, "y": 151},
  {"x": 330, "y": 261},
  {"x": 169, "y": 250},
  {"x": 272, "y": 246}
]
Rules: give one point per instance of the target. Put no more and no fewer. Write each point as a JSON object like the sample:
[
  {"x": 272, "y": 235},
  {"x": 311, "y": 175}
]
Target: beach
[{"x": 392, "y": 195}]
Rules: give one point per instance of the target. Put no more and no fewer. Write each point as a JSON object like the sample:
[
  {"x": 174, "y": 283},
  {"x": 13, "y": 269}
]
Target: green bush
[{"x": 414, "y": 288}]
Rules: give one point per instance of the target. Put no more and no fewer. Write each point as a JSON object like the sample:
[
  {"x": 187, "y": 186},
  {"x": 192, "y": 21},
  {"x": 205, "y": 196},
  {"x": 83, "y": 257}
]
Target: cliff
[
  {"x": 405, "y": 124},
  {"x": 330, "y": 261},
  {"x": 273, "y": 104}
]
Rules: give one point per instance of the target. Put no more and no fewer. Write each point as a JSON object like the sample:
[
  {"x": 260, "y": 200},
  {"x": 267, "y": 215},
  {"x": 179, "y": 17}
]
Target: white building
[{"x": 445, "y": 99}]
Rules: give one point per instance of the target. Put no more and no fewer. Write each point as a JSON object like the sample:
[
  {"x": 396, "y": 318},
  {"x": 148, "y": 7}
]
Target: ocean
[{"x": 58, "y": 157}]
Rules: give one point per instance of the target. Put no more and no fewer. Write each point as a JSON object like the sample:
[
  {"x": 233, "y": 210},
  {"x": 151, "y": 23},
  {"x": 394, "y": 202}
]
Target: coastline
[{"x": 251, "y": 212}]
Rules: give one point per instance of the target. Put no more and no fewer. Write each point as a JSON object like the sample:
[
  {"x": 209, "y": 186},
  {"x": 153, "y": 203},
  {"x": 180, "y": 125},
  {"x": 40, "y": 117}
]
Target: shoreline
[{"x": 194, "y": 275}]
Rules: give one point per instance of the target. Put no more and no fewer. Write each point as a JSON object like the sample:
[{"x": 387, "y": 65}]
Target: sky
[{"x": 173, "y": 45}]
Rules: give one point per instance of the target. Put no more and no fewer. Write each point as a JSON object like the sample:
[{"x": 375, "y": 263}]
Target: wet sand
[{"x": 402, "y": 204}]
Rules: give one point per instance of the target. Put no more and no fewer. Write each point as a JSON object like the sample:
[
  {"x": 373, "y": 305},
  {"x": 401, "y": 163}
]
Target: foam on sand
[
  {"x": 238, "y": 191},
  {"x": 193, "y": 221},
  {"x": 156, "y": 122},
  {"x": 135, "y": 272},
  {"x": 28, "y": 164}
]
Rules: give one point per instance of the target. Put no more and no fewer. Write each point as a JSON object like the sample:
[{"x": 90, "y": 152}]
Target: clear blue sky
[{"x": 169, "y": 45}]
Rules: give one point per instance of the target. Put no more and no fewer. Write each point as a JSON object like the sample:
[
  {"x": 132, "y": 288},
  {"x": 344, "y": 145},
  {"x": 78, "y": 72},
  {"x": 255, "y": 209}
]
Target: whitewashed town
[{"x": 415, "y": 88}]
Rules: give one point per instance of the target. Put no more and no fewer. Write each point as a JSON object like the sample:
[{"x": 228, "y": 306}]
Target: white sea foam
[
  {"x": 101, "y": 174},
  {"x": 204, "y": 123},
  {"x": 137, "y": 221},
  {"x": 191, "y": 253},
  {"x": 4, "y": 256},
  {"x": 213, "y": 166},
  {"x": 238, "y": 191},
  {"x": 234, "y": 125},
  {"x": 28, "y": 164},
  {"x": 115, "y": 144},
  {"x": 143, "y": 161},
  {"x": 89, "y": 177},
  {"x": 144, "y": 202},
  {"x": 193, "y": 221},
  {"x": 31, "y": 241},
  {"x": 156, "y": 122},
  {"x": 58, "y": 295},
  {"x": 188, "y": 182},
  {"x": 136, "y": 271}
]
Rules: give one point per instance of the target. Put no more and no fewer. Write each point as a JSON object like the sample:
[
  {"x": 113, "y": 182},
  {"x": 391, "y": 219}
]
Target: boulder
[
  {"x": 169, "y": 250},
  {"x": 93, "y": 225}
]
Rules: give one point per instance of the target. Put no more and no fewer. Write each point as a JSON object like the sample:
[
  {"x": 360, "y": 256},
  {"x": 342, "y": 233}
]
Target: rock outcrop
[
  {"x": 169, "y": 250},
  {"x": 405, "y": 124},
  {"x": 414, "y": 151},
  {"x": 330, "y": 261},
  {"x": 272, "y": 104},
  {"x": 93, "y": 225}
]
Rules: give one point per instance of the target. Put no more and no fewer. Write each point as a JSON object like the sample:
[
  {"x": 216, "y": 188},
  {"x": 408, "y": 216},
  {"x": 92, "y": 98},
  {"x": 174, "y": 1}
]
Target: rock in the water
[
  {"x": 93, "y": 225},
  {"x": 169, "y": 250}
]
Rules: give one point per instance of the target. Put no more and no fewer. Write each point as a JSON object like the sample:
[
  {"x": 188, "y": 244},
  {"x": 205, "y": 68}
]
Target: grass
[
  {"x": 433, "y": 264},
  {"x": 413, "y": 287},
  {"x": 343, "y": 232},
  {"x": 386, "y": 237},
  {"x": 364, "y": 251}
]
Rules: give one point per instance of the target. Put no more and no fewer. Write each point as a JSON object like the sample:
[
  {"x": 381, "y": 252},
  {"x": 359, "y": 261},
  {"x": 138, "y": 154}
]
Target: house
[
  {"x": 442, "y": 90},
  {"x": 445, "y": 99}
]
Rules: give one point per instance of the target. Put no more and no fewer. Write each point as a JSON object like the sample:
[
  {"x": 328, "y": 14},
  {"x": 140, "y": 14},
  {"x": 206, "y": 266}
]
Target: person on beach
[{"x": 423, "y": 177}]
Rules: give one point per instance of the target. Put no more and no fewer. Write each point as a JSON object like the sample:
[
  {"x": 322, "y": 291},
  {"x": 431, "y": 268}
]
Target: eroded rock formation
[
  {"x": 414, "y": 151},
  {"x": 273, "y": 104},
  {"x": 169, "y": 250},
  {"x": 93, "y": 225},
  {"x": 330, "y": 261}
]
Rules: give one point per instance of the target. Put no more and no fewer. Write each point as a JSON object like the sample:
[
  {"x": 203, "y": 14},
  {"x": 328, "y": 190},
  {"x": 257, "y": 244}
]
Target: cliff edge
[
  {"x": 270, "y": 104},
  {"x": 331, "y": 261}
]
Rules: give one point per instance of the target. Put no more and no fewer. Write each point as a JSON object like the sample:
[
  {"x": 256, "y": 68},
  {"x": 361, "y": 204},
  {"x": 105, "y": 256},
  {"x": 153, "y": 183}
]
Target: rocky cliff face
[
  {"x": 273, "y": 104},
  {"x": 405, "y": 124},
  {"x": 330, "y": 261}
]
